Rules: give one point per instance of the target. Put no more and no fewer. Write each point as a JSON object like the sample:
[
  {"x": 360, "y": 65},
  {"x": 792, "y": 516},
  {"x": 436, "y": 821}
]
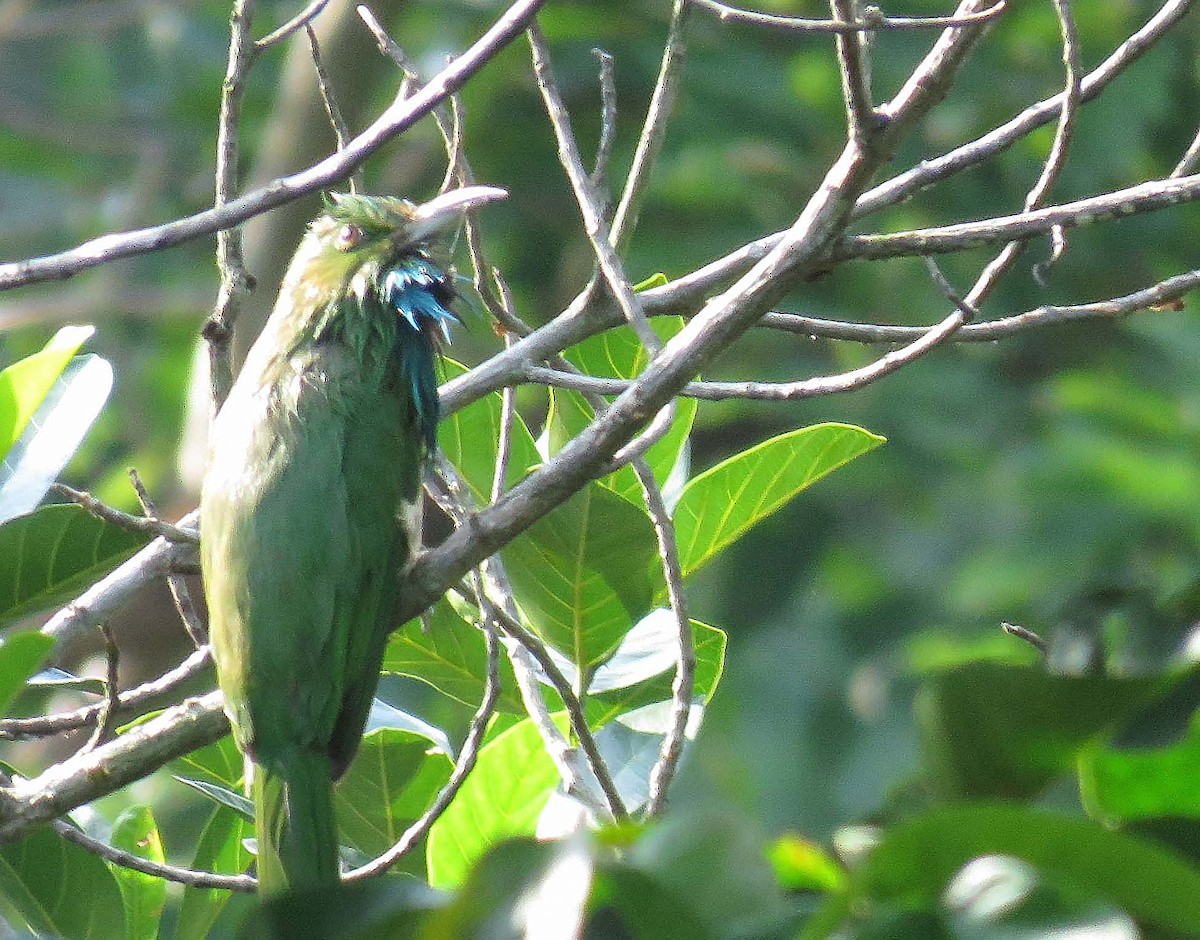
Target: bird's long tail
[{"x": 294, "y": 824}]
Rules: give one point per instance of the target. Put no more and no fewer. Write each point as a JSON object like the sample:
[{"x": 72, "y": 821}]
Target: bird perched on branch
[{"x": 309, "y": 510}]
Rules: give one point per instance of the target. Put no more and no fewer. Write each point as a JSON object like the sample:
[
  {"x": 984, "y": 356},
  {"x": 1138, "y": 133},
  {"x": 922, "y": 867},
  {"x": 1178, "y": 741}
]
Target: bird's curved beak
[{"x": 447, "y": 209}]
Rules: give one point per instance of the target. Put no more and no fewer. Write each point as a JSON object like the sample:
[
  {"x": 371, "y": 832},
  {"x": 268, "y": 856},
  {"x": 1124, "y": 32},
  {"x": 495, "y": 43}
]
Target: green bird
[{"x": 310, "y": 507}]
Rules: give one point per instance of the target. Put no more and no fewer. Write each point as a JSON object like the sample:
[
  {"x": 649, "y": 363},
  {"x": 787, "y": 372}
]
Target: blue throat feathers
[{"x": 420, "y": 293}]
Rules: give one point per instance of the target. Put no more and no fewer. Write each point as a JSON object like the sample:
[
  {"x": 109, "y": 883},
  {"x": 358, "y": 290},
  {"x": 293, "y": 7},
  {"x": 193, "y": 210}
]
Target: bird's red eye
[{"x": 348, "y": 237}]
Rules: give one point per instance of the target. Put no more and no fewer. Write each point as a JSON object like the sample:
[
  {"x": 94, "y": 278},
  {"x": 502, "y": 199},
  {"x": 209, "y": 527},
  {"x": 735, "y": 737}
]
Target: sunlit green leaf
[
  {"x": 585, "y": 573},
  {"x": 392, "y": 781},
  {"x": 450, "y": 656},
  {"x": 469, "y": 439},
  {"x": 1124, "y": 784},
  {"x": 724, "y": 502},
  {"x": 59, "y": 889},
  {"x": 502, "y": 797},
  {"x": 53, "y": 553},
  {"x": 220, "y": 850},
  {"x": 144, "y": 895},
  {"x": 24, "y": 384},
  {"x": 20, "y": 656}
]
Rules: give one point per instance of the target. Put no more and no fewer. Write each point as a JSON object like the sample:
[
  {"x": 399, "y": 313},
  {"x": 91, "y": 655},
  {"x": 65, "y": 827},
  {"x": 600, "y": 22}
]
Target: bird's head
[{"x": 353, "y": 243}]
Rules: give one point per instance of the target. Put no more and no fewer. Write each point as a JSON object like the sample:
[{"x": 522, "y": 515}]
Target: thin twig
[
  {"x": 402, "y": 114},
  {"x": 861, "y": 118},
  {"x": 15, "y": 729},
  {"x": 608, "y": 122},
  {"x": 904, "y": 185},
  {"x": 654, "y": 129},
  {"x": 1022, "y": 633},
  {"x": 1052, "y": 169},
  {"x": 341, "y": 131},
  {"x": 302, "y": 20},
  {"x": 1188, "y": 162},
  {"x": 143, "y": 525},
  {"x": 877, "y": 20},
  {"x": 180, "y": 593},
  {"x": 684, "y": 684},
  {"x": 112, "y": 694},
  {"x": 508, "y": 416},
  {"x": 594, "y": 223},
  {"x": 235, "y": 281},
  {"x": 462, "y": 768},
  {"x": 609, "y": 800}
]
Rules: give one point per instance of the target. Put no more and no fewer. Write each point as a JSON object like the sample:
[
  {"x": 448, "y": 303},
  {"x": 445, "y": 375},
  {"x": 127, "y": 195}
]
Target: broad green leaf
[
  {"x": 59, "y": 889},
  {"x": 451, "y": 656},
  {"x": 470, "y": 436},
  {"x": 995, "y": 730},
  {"x": 144, "y": 895},
  {"x": 570, "y": 414},
  {"x": 223, "y": 796},
  {"x": 24, "y": 384},
  {"x": 618, "y": 353},
  {"x": 585, "y": 573},
  {"x": 20, "y": 656},
  {"x": 501, "y": 798},
  {"x": 53, "y": 553},
  {"x": 918, "y": 857},
  {"x": 220, "y": 850},
  {"x": 53, "y": 434},
  {"x": 59, "y": 679},
  {"x": 220, "y": 763},
  {"x": 391, "y": 782},
  {"x": 1126, "y": 784},
  {"x": 719, "y": 505},
  {"x": 709, "y": 644}
]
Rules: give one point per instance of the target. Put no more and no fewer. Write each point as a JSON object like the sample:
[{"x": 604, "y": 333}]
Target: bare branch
[
  {"x": 397, "y": 118},
  {"x": 91, "y": 775},
  {"x": 143, "y": 525},
  {"x": 14, "y": 729},
  {"x": 731, "y": 14},
  {"x": 462, "y": 768},
  {"x": 302, "y": 20},
  {"x": 235, "y": 281},
  {"x": 654, "y": 129}
]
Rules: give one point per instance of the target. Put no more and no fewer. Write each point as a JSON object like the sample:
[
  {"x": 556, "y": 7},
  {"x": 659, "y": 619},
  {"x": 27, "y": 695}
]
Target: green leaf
[
  {"x": 657, "y": 279},
  {"x": 721, "y": 504},
  {"x": 450, "y": 656},
  {"x": 801, "y": 865},
  {"x": 144, "y": 895},
  {"x": 501, "y": 798},
  {"x": 585, "y": 573},
  {"x": 469, "y": 439},
  {"x": 24, "y": 384},
  {"x": 220, "y": 850},
  {"x": 20, "y": 656},
  {"x": 59, "y": 889},
  {"x": 53, "y": 553},
  {"x": 619, "y": 354},
  {"x": 220, "y": 763},
  {"x": 391, "y": 782},
  {"x": 709, "y": 644},
  {"x": 995, "y": 730},
  {"x": 917, "y": 858},
  {"x": 223, "y": 796},
  {"x": 1121, "y": 785}
]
